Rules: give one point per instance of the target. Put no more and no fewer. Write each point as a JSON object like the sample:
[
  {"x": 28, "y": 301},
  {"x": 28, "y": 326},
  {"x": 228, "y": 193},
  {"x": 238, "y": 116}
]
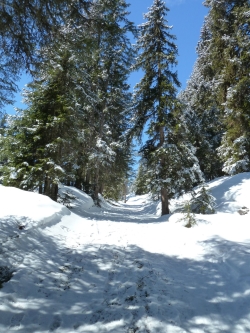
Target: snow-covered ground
[{"x": 122, "y": 268}]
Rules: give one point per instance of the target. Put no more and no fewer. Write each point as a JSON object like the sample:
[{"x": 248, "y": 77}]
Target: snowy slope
[{"x": 122, "y": 268}]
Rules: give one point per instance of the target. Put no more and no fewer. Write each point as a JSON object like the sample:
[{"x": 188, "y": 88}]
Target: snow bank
[
  {"x": 232, "y": 193},
  {"x": 28, "y": 208},
  {"x": 82, "y": 199}
]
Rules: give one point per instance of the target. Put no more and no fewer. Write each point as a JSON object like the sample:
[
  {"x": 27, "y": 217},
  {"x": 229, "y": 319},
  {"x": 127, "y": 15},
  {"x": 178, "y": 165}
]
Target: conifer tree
[
  {"x": 203, "y": 202},
  {"x": 229, "y": 58},
  {"x": 202, "y": 113},
  {"x": 171, "y": 163},
  {"x": 140, "y": 183},
  {"x": 41, "y": 141},
  {"x": 74, "y": 128},
  {"x": 112, "y": 57}
]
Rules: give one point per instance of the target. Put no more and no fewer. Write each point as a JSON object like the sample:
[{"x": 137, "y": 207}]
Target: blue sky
[{"x": 186, "y": 16}]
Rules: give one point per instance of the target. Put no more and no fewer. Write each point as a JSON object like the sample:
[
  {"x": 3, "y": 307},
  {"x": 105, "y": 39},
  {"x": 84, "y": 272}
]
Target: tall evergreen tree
[
  {"x": 173, "y": 165},
  {"x": 203, "y": 113},
  {"x": 140, "y": 183},
  {"x": 229, "y": 58},
  {"x": 74, "y": 128},
  {"x": 41, "y": 141},
  {"x": 112, "y": 57}
]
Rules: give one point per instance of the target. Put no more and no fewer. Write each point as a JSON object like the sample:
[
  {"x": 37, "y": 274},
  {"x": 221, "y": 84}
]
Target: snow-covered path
[{"x": 122, "y": 269}]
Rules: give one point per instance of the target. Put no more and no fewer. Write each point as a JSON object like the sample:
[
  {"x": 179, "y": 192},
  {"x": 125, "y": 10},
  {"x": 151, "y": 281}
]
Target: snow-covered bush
[
  {"x": 189, "y": 216},
  {"x": 203, "y": 202}
]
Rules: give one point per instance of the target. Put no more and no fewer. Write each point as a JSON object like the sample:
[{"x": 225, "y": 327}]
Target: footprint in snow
[
  {"x": 16, "y": 319},
  {"x": 55, "y": 324}
]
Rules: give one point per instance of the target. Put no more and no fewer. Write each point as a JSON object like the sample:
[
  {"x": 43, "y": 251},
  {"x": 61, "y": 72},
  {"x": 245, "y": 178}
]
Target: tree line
[{"x": 81, "y": 118}]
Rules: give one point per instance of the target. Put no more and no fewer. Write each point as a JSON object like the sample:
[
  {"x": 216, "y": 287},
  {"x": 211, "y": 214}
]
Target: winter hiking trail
[{"x": 123, "y": 269}]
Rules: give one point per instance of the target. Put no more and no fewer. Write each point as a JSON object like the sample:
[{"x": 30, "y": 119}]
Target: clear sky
[{"x": 186, "y": 16}]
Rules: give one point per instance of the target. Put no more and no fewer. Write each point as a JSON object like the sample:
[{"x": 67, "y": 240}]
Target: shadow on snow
[{"x": 113, "y": 289}]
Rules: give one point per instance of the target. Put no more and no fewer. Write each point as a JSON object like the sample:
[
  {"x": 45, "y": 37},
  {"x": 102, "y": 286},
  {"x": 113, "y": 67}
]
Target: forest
[{"x": 82, "y": 120}]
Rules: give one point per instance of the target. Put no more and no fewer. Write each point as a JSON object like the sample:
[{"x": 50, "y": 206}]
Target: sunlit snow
[{"x": 123, "y": 268}]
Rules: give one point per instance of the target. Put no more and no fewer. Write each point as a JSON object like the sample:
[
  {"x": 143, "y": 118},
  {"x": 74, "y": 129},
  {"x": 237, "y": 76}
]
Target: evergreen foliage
[
  {"x": 73, "y": 130},
  {"x": 189, "y": 216},
  {"x": 172, "y": 166},
  {"x": 25, "y": 26},
  {"x": 140, "y": 183},
  {"x": 229, "y": 59},
  {"x": 203, "y": 202},
  {"x": 202, "y": 113}
]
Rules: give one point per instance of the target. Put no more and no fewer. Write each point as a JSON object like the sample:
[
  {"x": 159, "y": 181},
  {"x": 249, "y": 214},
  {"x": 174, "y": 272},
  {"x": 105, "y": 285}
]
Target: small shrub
[
  {"x": 203, "y": 202},
  {"x": 189, "y": 216}
]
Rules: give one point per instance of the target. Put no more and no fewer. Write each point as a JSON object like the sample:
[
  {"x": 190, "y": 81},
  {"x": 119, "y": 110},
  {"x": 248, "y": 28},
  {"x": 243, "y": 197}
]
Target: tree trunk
[
  {"x": 101, "y": 189},
  {"x": 86, "y": 184},
  {"x": 164, "y": 202},
  {"x": 164, "y": 193},
  {"x": 54, "y": 192},
  {"x": 78, "y": 183},
  {"x": 125, "y": 192},
  {"x": 47, "y": 186},
  {"x": 97, "y": 187},
  {"x": 40, "y": 189}
]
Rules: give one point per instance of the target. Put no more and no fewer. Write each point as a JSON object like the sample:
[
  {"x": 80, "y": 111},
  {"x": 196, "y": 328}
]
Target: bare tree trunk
[
  {"x": 164, "y": 193},
  {"x": 101, "y": 189},
  {"x": 78, "y": 183},
  {"x": 54, "y": 192},
  {"x": 164, "y": 202},
  {"x": 47, "y": 186},
  {"x": 97, "y": 187},
  {"x": 40, "y": 189},
  {"x": 125, "y": 192}
]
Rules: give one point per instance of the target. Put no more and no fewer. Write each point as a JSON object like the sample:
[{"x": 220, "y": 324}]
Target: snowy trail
[{"x": 122, "y": 269}]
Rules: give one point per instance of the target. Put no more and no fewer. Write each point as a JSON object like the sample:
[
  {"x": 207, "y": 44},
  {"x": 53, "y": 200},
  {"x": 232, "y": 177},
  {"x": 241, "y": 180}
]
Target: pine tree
[
  {"x": 203, "y": 202},
  {"x": 189, "y": 216},
  {"x": 112, "y": 57},
  {"x": 172, "y": 166},
  {"x": 202, "y": 112},
  {"x": 140, "y": 183},
  {"x": 74, "y": 128},
  {"x": 229, "y": 58},
  {"x": 41, "y": 141}
]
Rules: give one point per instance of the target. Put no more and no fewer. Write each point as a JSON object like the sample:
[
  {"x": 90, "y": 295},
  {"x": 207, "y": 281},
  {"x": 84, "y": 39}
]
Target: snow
[{"x": 123, "y": 268}]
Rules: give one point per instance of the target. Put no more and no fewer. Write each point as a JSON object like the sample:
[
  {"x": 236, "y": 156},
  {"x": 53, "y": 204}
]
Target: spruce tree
[
  {"x": 112, "y": 57},
  {"x": 74, "y": 128},
  {"x": 229, "y": 59},
  {"x": 140, "y": 183},
  {"x": 202, "y": 112},
  {"x": 172, "y": 166},
  {"x": 41, "y": 141}
]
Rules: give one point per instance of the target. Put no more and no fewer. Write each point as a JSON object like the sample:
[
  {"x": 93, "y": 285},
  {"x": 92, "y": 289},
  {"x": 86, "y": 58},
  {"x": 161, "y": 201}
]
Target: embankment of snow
[
  {"x": 21, "y": 211},
  {"x": 30, "y": 209},
  {"x": 231, "y": 194},
  {"x": 81, "y": 202}
]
